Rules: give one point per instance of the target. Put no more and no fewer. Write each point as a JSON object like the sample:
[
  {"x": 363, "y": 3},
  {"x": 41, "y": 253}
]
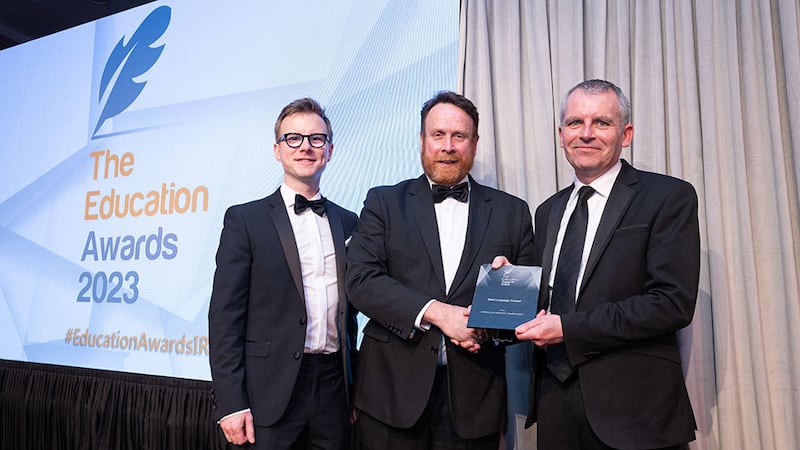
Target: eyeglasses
[{"x": 295, "y": 140}]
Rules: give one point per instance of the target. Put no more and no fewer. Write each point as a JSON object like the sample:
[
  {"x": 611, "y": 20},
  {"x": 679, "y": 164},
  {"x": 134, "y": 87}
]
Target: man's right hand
[
  {"x": 238, "y": 428},
  {"x": 451, "y": 319}
]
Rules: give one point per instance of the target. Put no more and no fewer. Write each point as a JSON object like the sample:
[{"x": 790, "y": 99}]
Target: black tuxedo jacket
[
  {"x": 257, "y": 316},
  {"x": 394, "y": 269},
  {"x": 639, "y": 288}
]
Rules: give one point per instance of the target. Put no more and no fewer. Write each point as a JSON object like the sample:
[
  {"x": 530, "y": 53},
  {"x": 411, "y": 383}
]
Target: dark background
[{"x": 24, "y": 20}]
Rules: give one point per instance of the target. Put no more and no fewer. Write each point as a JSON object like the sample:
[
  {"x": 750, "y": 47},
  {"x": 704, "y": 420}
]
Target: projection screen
[{"x": 123, "y": 141}]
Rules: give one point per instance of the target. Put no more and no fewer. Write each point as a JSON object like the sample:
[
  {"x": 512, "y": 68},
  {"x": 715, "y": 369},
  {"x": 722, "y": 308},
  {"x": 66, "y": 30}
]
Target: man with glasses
[{"x": 279, "y": 326}]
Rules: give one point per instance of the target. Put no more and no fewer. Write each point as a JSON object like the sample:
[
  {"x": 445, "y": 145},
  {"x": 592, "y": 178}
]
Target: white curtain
[{"x": 715, "y": 89}]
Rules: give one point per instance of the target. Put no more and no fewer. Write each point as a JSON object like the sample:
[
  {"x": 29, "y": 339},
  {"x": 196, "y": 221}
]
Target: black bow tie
[
  {"x": 301, "y": 204},
  {"x": 459, "y": 192}
]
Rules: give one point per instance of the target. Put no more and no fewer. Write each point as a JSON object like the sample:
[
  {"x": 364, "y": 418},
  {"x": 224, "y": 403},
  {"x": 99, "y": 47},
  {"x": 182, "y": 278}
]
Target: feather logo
[{"x": 128, "y": 61}]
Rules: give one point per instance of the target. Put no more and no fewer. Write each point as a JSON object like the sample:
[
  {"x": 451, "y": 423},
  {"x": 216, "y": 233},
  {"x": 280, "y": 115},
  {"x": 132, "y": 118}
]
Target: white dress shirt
[
  {"x": 596, "y": 204},
  {"x": 312, "y": 234},
  {"x": 451, "y": 219}
]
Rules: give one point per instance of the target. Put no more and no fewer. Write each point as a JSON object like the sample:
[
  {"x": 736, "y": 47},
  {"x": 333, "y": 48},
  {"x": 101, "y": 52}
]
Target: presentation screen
[{"x": 123, "y": 141}]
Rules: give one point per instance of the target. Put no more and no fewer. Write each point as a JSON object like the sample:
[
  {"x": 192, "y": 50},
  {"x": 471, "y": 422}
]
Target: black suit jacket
[
  {"x": 394, "y": 269},
  {"x": 257, "y": 315},
  {"x": 639, "y": 288}
]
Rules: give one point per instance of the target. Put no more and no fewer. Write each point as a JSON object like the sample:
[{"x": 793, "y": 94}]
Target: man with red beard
[{"x": 424, "y": 381}]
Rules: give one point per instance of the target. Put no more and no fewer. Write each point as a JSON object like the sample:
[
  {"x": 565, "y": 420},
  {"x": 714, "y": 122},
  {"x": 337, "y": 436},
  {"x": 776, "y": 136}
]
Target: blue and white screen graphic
[{"x": 123, "y": 141}]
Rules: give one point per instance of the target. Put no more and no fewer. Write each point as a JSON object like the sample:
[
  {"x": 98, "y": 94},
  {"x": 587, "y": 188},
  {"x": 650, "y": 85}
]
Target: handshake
[{"x": 543, "y": 329}]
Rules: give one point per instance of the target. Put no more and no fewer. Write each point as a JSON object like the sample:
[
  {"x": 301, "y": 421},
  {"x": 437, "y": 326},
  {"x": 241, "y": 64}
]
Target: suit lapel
[
  {"x": 618, "y": 202},
  {"x": 553, "y": 224},
  {"x": 480, "y": 210},
  {"x": 337, "y": 233},
  {"x": 425, "y": 215},
  {"x": 280, "y": 219}
]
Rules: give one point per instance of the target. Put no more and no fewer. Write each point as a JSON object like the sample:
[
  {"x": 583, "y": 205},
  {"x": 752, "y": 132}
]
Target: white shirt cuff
[
  {"x": 418, "y": 322},
  {"x": 233, "y": 414}
]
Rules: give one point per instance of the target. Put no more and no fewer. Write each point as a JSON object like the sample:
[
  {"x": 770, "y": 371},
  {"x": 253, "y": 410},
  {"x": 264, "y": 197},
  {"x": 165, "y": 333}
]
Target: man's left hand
[{"x": 545, "y": 329}]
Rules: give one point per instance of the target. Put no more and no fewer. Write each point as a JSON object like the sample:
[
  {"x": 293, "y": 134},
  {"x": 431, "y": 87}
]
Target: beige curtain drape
[{"x": 715, "y": 89}]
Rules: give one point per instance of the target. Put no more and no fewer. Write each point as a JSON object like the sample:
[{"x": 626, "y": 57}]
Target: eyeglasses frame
[{"x": 283, "y": 138}]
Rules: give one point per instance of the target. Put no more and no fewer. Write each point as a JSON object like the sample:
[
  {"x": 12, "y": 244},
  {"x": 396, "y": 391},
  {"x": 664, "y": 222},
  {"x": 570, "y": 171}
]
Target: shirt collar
[
  {"x": 465, "y": 179},
  {"x": 288, "y": 194},
  {"x": 604, "y": 183}
]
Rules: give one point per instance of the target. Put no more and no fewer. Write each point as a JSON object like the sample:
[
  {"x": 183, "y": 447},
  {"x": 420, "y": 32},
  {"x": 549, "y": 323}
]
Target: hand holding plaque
[{"x": 505, "y": 297}]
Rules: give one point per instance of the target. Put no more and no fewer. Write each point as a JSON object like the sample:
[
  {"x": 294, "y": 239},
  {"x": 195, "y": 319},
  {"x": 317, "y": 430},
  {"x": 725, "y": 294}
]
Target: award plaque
[{"x": 505, "y": 298}]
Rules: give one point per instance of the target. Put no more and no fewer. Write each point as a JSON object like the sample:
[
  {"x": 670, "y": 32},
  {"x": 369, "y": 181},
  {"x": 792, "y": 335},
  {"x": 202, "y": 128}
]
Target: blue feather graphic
[{"x": 129, "y": 61}]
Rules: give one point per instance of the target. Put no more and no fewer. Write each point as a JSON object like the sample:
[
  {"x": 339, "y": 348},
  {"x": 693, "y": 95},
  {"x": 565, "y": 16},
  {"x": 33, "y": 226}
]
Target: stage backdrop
[{"x": 123, "y": 141}]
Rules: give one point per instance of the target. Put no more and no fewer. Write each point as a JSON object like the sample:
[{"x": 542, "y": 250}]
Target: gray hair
[{"x": 599, "y": 87}]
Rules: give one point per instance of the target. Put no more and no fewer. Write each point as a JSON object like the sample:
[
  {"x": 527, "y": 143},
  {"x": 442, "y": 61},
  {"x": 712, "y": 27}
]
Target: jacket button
[
  {"x": 298, "y": 355},
  {"x": 302, "y": 321},
  {"x": 435, "y": 350}
]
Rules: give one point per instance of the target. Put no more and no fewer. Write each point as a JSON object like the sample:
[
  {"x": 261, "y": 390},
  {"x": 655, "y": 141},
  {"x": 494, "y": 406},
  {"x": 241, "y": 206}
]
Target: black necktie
[
  {"x": 562, "y": 299},
  {"x": 301, "y": 204},
  {"x": 459, "y": 192}
]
